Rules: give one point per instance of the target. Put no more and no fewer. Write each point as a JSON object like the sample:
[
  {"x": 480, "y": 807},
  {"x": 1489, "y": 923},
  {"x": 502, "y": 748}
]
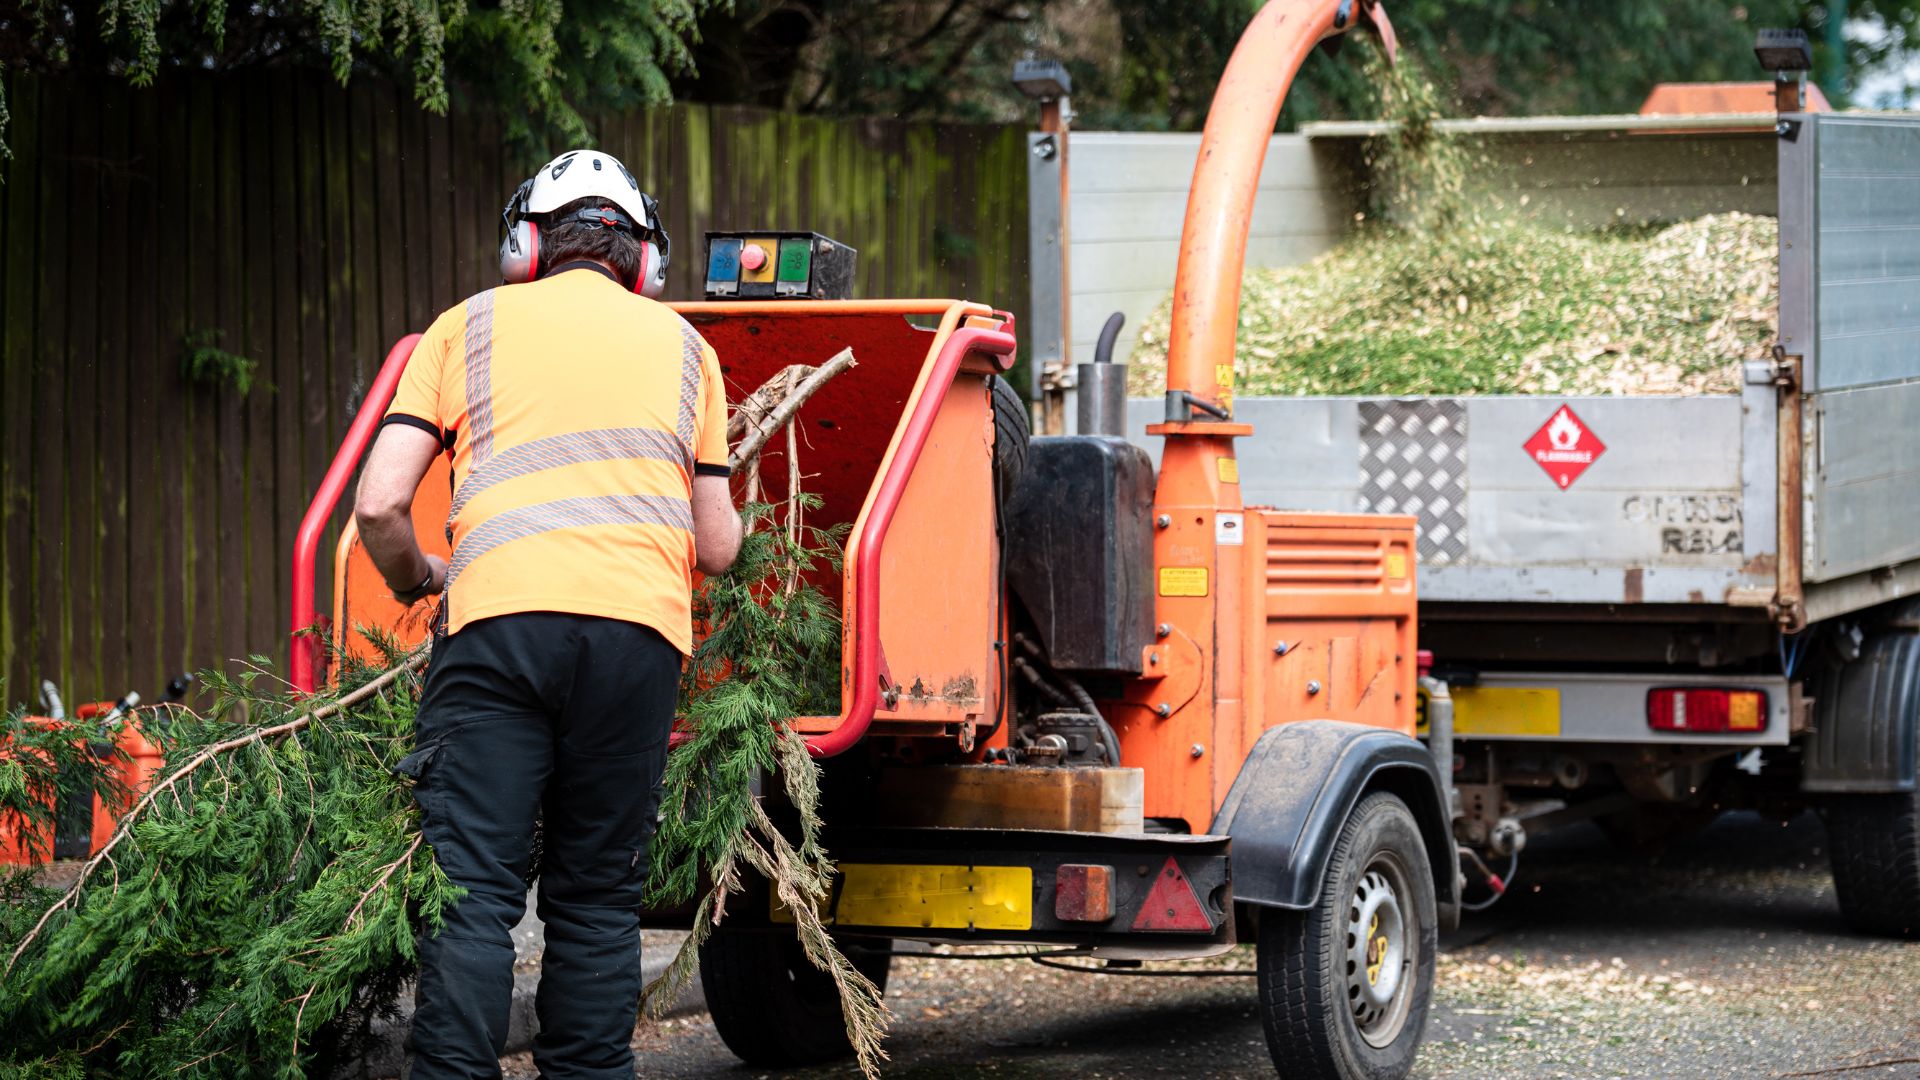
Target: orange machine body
[
  {"x": 937, "y": 609},
  {"x": 900, "y": 449},
  {"x": 1303, "y": 617}
]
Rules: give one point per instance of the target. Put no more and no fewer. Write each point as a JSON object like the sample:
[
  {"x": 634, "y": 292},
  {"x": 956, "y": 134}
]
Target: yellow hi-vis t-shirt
[{"x": 577, "y": 414}]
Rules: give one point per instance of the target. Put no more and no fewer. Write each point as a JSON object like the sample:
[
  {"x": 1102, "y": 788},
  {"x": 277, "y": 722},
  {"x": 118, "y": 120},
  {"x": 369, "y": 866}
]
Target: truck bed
[{"x": 1798, "y": 497}]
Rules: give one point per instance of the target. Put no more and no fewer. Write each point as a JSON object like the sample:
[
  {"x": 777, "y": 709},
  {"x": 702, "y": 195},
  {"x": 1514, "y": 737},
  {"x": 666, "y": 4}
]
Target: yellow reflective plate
[
  {"x": 1500, "y": 710},
  {"x": 931, "y": 897}
]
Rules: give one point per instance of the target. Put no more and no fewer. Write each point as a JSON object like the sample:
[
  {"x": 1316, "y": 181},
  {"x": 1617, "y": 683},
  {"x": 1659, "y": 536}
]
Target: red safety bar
[
  {"x": 864, "y": 550},
  {"x": 305, "y": 661}
]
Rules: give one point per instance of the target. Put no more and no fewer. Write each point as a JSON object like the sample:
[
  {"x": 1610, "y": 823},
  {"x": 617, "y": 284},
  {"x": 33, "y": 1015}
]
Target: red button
[{"x": 754, "y": 257}]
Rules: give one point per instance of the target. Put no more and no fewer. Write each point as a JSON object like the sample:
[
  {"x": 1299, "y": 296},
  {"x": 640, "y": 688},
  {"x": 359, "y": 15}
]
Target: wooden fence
[{"x": 146, "y": 517}]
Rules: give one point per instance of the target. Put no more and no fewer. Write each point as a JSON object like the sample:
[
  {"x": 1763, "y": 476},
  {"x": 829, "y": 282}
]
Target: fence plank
[
  {"x": 18, "y": 627},
  {"x": 145, "y": 523},
  {"x": 363, "y": 199},
  {"x": 111, "y": 461},
  {"x": 80, "y": 674},
  {"x": 53, "y": 612},
  {"x": 342, "y": 382},
  {"x": 265, "y": 498},
  {"x": 228, "y": 585},
  {"x": 171, "y": 403},
  {"x": 415, "y": 227},
  {"x": 280, "y": 281},
  {"x": 201, "y": 493},
  {"x": 318, "y": 430}
]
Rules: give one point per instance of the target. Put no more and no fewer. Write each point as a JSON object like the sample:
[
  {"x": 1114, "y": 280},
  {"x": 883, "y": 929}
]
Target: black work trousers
[{"x": 565, "y": 716}]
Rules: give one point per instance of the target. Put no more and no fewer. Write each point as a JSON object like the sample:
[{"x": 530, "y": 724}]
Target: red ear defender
[
  {"x": 652, "y": 282},
  {"x": 520, "y": 253},
  {"x": 646, "y": 269}
]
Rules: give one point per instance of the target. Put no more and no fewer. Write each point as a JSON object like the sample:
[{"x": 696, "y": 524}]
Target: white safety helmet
[{"x": 583, "y": 174}]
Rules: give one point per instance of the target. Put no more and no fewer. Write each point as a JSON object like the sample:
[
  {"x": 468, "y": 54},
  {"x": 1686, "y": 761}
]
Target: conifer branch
[
  {"x": 766, "y": 419},
  {"x": 413, "y": 662}
]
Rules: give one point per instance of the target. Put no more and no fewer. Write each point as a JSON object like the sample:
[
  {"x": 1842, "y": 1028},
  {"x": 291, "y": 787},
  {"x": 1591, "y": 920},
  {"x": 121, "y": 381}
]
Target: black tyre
[
  {"x": 1866, "y": 735},
  {"x": 1011, "y": 434},
  {"x": 1874, "y": 844},
  {"x": 770, "y": 1006},
  {"x": 1344, "y": 985}
]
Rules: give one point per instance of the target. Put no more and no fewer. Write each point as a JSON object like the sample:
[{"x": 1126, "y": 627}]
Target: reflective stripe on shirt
[{"x": 525, "y": 521}]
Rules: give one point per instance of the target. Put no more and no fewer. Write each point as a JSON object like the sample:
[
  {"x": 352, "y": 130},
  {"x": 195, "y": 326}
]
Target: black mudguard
[
  {"x": 1866, "y": 715},
  {"x": 1294, "y": 792}
]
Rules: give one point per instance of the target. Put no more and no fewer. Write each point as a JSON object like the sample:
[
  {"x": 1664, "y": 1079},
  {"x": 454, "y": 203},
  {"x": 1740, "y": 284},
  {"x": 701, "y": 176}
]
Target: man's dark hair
[{"x": 567, "y": 240}]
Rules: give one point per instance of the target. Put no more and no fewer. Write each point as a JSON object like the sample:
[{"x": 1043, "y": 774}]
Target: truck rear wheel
[
  {"x": 1345, "y": 984},
  {"x": 1874, "y": 846},
  {"x": 1866, "y": 736},
  {"x": 771, "y": 1006}
]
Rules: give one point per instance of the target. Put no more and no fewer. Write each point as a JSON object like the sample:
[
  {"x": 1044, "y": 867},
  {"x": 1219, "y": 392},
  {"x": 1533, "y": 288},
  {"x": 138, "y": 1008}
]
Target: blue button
[{"x": 723, "y": 259}]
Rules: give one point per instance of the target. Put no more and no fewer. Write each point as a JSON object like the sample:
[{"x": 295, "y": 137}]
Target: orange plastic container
[{"x": 138, "y": 759}]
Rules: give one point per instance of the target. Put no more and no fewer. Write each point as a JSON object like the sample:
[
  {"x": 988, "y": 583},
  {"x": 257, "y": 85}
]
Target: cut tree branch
[
  {"x": 414, "y": 661},
  {"x": 760, "y": 420}
]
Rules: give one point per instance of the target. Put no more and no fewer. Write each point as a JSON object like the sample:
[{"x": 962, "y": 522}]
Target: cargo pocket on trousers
[{"x": 419, "y": 767}]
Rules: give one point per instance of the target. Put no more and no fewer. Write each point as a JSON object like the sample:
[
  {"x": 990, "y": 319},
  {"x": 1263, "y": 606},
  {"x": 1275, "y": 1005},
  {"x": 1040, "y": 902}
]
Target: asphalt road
[{"x": 1723, "y": 957}]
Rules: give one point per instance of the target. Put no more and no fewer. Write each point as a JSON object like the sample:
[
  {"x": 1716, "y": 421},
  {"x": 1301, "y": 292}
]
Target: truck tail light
[{"x": 1705, "y": 710}]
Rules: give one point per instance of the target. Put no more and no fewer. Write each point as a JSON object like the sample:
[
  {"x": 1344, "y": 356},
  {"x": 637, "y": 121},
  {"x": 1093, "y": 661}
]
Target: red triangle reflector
[{"x": 1172, "y": 904}]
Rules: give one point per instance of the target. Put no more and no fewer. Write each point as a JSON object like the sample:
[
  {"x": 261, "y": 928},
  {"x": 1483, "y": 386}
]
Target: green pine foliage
[
  {"x": 771, "y": 653},
  {"x": 257, "y": 912},
  {"x": 542, "y": 65}
]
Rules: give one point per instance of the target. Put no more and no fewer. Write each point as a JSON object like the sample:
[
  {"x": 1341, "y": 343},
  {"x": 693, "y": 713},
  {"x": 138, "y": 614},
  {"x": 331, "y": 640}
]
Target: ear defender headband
[{"x": 520, "y": 249}]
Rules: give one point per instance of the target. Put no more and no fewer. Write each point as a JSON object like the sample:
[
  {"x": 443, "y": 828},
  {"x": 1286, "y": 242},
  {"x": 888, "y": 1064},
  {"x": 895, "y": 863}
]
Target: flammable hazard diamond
[{"x": 1564, "y": 446}]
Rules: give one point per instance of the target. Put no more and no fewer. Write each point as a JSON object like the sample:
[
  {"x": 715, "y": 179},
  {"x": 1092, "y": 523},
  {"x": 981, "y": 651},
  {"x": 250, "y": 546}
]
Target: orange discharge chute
[{"x": 1213, "y": 244}]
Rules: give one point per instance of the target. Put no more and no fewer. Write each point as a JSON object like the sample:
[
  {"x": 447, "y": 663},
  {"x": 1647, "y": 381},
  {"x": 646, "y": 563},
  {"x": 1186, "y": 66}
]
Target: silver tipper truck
[{"x": 1640, "y": 610}]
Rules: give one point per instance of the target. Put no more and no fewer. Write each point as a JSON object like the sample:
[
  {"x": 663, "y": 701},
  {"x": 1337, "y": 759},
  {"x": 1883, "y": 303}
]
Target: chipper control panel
[{"x": 778, "y": 266}]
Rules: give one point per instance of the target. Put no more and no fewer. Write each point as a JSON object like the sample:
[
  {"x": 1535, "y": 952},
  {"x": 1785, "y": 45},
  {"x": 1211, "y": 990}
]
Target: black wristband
[{"x": 417, "y": 591}]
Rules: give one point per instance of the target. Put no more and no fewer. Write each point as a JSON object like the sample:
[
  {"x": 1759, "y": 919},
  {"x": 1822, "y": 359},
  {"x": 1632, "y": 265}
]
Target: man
[{"x": 587, "y": 429}]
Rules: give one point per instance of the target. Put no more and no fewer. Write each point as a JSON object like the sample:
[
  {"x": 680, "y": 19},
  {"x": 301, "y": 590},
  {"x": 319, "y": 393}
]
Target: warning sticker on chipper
[
  {"x": 1564, "y": 446},
  {"x": 1183, "y": 581}
]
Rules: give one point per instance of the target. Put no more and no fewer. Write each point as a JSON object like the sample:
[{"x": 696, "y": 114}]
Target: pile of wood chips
[{"x": 1506, "y": 308}]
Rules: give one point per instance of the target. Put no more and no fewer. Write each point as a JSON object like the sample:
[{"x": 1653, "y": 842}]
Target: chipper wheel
[
  {"x": 1344, "y": 985},
  {"x": 1011, "y": 434},
  {"x": 770, "y": 1006}
]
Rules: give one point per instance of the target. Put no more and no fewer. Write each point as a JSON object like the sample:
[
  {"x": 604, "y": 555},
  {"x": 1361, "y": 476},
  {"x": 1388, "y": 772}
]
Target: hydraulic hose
[{"x": 1496, "y": 883}]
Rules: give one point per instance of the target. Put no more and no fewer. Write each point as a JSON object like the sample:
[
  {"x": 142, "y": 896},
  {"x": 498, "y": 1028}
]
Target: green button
[{"x": 796, "y": 261}]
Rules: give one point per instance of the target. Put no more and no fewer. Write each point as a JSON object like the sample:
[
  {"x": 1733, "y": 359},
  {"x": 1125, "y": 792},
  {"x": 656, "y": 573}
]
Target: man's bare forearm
[
  {"x": 395, "y": 551},
  {"x": 384, "y": 511}
]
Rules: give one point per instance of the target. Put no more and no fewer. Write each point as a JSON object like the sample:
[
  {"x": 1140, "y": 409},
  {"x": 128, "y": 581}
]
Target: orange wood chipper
[{"x": 1082, "y": 705}]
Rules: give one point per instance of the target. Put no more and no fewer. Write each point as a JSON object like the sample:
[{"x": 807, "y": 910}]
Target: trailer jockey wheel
[
  {"x": 1344, "y": 985},
  {"x": 771, "y": 1006}
]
